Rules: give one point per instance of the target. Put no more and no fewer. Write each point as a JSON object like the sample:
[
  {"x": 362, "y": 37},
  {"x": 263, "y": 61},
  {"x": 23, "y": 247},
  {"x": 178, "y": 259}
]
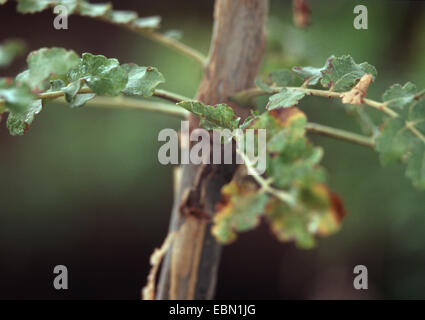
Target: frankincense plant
[{"x": 291, "y": 194}]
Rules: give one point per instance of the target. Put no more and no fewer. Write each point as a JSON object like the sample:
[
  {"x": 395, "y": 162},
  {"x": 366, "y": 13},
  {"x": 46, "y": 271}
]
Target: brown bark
[{"x": 190, "y": 268}]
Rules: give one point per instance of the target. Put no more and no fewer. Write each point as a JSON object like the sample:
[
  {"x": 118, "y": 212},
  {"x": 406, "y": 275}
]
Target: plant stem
[
  {"x": 340, "y": 134},
  {"x": 121, "y": 102},
  {"x": 166, "y": 41},
  {"x": 170, "y": 96},
  {"x": 381, "y": 106},
  {"x": 265, "y": 184}
]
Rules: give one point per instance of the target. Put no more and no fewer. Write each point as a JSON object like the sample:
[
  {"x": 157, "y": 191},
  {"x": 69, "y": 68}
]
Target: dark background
[{"x": 84, "y": 187}]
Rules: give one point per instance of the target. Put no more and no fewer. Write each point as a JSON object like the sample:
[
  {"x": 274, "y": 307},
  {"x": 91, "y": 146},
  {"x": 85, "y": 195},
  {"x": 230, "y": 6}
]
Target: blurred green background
[{"x": 84, "y": 187}]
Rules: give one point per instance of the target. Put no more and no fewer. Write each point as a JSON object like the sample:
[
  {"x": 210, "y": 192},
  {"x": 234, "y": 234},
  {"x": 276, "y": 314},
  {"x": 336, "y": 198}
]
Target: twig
[
  {"x": 381, "y": 106},
  {"x": 265, "y": 184},
  {"x": 121, "y": 102},
  {"x": 340, "y": 134}
]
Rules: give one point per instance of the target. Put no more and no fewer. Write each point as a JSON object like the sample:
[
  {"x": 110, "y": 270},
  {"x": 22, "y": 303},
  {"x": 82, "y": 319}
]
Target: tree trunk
[{"x": 189, "y": 269}]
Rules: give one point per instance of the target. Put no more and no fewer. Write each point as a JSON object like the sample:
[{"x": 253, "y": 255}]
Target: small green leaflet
[
  {"x": 398, "y": 96},
  {"x": 285, "y": 98},
  {"x": 46, "y": 63},
  {"x": 396, "y": 141},
  {"x": 104, "y": 76},
  {"x": 18, "y": 122},
  {"x": 149, "y": 23},
  {"x": 342, "y": 73},
  {"x": 118, "y": 16},
  {"x": 220, "y": 116},
  {"x": 9, "y": 50},
  {"x": 142, "y": 80},
  {"x": 95, "y": 10},
  {"x": 311, "y": 75},
  {"x": 17, "y": 96},
  {"x": 32, "y": 6},
  {"x": 281, "y": 78}
]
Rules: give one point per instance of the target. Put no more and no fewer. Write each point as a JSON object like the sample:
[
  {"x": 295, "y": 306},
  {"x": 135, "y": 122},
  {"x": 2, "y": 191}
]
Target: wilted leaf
[
  {"x": 212, "y": 117},
  {"x": 318, "y": 211},
  {"x": 356, "y": 95},
  {"x": 142, "y": 80},
  {"x": 239, "y": 209}
]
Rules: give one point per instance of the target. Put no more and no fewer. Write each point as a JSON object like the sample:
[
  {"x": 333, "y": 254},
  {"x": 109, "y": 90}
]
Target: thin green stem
[
  {"x": 122, "y": 102},
  {"x": 166, "y": 41},
  {"x": 129, "y": 103},
  {"x": 265, "y": 184},
  {"x": 170, "y": 96},
  {"x": 340, "y": 134},
  {"x": 381, "y": 106},
  {"x": 167, "y": 95}
]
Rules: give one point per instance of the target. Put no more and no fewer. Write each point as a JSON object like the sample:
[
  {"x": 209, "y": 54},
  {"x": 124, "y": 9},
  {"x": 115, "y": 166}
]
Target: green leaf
[
  {"x": 104, "y": 76},
  {"x": 3, "y": 2},
  {"x": 142, "y": 80},
  {"x": 71, "y": 90},
  {"x": 18, "y": 122},
  {"x": 9, "y": 50},
  {"x": 263, "y": 86},
  {"x": 311, "y": 75},
  {"x": 80, "y": 99},
  {"x": 94, "y": 10},
  {"x": 44, "y": 63},
  {"x": 212, "y": 117},
  {"x": 416, "y": 165},
  {"x": 342, "y": 73},
  {"x": 281, "y": 78},
  {"x": 397, "y": 141},
  {"x": 32, "y": 6},
  {"x": 398, "y": 96},
  {"x": 285, "y": 98},
  {"x": 149, "y": 23},
  {"x": 174, "y": 34},
  {"x": 17, "y": 97},
  {"x": 118, "y": 16},
  {"x": 70, "y": 5},
  {"x": 394, "y": 141}
]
